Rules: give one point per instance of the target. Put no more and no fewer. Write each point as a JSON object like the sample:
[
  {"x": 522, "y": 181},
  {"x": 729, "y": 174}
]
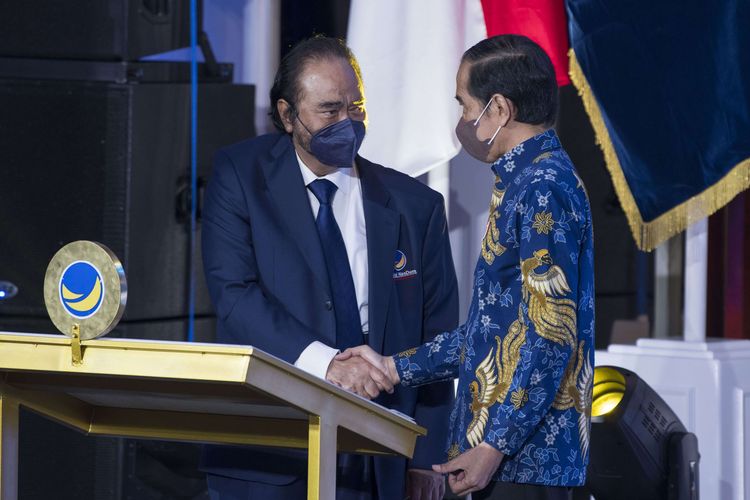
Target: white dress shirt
[{"x": 350, "y": 217}]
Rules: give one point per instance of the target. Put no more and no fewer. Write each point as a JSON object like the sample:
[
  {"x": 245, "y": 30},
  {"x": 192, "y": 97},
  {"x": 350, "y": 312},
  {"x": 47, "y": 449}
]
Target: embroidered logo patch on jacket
[{"x": 399, "y": 267}]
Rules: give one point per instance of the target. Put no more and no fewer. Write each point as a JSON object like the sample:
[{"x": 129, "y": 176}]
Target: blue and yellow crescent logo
[
  {"x": 400, "y": 261},
  {"x": 81, "y": 289}
]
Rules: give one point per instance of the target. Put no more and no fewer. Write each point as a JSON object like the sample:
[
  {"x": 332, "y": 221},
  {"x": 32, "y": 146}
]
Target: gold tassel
[{"x": 649, "y": 235}]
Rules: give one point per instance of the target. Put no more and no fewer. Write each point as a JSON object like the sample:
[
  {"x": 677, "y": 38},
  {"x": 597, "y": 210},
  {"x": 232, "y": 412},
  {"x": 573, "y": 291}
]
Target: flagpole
[
  {"x": 262, "y": 19},
  {"x": 696, "y": 273}
]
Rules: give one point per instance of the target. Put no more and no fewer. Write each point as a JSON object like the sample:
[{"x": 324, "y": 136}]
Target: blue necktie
[{"x": 348, "y": 325}]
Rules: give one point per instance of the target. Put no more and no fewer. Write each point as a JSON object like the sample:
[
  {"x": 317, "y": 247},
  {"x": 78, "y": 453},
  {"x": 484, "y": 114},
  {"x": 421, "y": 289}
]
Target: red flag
[{"x": 544, "y": 21}]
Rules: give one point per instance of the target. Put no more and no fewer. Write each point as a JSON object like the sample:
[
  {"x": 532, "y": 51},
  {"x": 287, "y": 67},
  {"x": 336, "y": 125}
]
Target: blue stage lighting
[{"x": 7, "y": 290}]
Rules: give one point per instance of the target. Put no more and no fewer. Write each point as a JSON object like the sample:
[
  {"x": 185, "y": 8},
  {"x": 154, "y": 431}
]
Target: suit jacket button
[{"x": 329, "y": 305}]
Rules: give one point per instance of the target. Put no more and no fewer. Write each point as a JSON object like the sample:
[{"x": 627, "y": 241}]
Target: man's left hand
[
  {"x": 472, "y": 470},
  {"x": 424, "y": 484}
]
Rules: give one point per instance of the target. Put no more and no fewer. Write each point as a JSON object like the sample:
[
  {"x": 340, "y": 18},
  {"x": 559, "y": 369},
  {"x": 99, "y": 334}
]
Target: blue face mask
[{"x": 337, "y": 145}]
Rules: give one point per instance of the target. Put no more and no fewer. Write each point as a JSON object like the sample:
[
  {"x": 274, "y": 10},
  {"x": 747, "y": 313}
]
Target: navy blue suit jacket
[{"x": 267, "y": 278}]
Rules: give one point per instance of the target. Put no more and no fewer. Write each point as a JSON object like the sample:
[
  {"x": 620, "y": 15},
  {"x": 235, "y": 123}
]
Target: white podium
[{"x": 707, "y": 384}]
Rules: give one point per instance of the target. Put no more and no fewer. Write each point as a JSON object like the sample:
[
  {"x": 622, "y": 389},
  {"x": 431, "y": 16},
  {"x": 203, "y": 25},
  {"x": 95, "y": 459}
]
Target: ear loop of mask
[
  {"x": 476, "y": 122},
  {"x": 296, "y": 117}
]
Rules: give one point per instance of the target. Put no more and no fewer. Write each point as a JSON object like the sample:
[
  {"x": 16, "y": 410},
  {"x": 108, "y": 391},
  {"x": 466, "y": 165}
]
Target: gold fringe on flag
[{"x": 650, "y": 234}]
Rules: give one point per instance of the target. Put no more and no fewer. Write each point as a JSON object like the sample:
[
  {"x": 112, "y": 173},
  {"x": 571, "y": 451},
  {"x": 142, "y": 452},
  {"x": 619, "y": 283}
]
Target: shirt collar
[
  {"x": 508, "y": 166},
  {"x": 342, "y": 177}
]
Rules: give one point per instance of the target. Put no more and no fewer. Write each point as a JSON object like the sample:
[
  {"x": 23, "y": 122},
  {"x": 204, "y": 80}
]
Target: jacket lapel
[
  {"x": 289, "y": 193},
  {"x": 382, "y": 224}
]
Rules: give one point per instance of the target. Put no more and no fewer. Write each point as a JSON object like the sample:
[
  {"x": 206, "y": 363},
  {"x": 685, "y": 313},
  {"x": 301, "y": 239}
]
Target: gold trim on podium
[{"x": 205, "y": 393}]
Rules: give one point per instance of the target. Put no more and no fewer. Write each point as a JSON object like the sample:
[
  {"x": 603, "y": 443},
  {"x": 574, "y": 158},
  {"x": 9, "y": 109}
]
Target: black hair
[
  {"x": 519, "y": 69},
  {"x": 286, "y": 82}
]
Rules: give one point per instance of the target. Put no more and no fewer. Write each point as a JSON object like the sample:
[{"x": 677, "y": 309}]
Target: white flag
[{"x": 409, "y": 51}]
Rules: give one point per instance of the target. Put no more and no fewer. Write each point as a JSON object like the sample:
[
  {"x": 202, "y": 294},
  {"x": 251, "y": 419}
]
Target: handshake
[{"x": 363, "y": 371}]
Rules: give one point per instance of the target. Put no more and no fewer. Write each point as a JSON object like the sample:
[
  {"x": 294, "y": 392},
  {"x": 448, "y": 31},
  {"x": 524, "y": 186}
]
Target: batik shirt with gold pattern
[{"x": 524, "y": 358}]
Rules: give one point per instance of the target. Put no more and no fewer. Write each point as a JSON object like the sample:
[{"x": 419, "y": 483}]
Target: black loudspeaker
[
  {"x": 101, "y": 151},
  {"x": 162, "y": 329},
  {"x": 109, "y": 162},
  {"x": 93, "y": 29},
  {"x": 62, "y": 464}
]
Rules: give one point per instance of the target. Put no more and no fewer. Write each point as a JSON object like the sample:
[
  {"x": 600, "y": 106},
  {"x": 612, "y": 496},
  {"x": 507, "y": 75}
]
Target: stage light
[
  {"x": 7, "y": 290},
  {"x": 639, "y": 448},
  {"x": 609, "y": 388}
]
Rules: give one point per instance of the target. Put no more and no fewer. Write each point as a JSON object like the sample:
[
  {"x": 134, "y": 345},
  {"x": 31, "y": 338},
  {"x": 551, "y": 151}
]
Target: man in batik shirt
[{"x": 524, "y": 358}]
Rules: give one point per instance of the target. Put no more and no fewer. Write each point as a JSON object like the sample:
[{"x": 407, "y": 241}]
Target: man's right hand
[
  {"x": 386, "y": 364},
  {"x": 357, "y": 375}
]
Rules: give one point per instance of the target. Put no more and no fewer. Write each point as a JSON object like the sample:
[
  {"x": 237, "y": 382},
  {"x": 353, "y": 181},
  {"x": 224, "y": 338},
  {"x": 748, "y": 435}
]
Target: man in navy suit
[{"x": 310, "y": 249}]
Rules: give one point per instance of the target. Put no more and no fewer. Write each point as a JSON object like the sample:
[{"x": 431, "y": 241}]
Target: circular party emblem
[
  {"x": 81, "y": 289},
  {"x": 85, "y": 287},
  {"x": 400, "y": 261}
]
